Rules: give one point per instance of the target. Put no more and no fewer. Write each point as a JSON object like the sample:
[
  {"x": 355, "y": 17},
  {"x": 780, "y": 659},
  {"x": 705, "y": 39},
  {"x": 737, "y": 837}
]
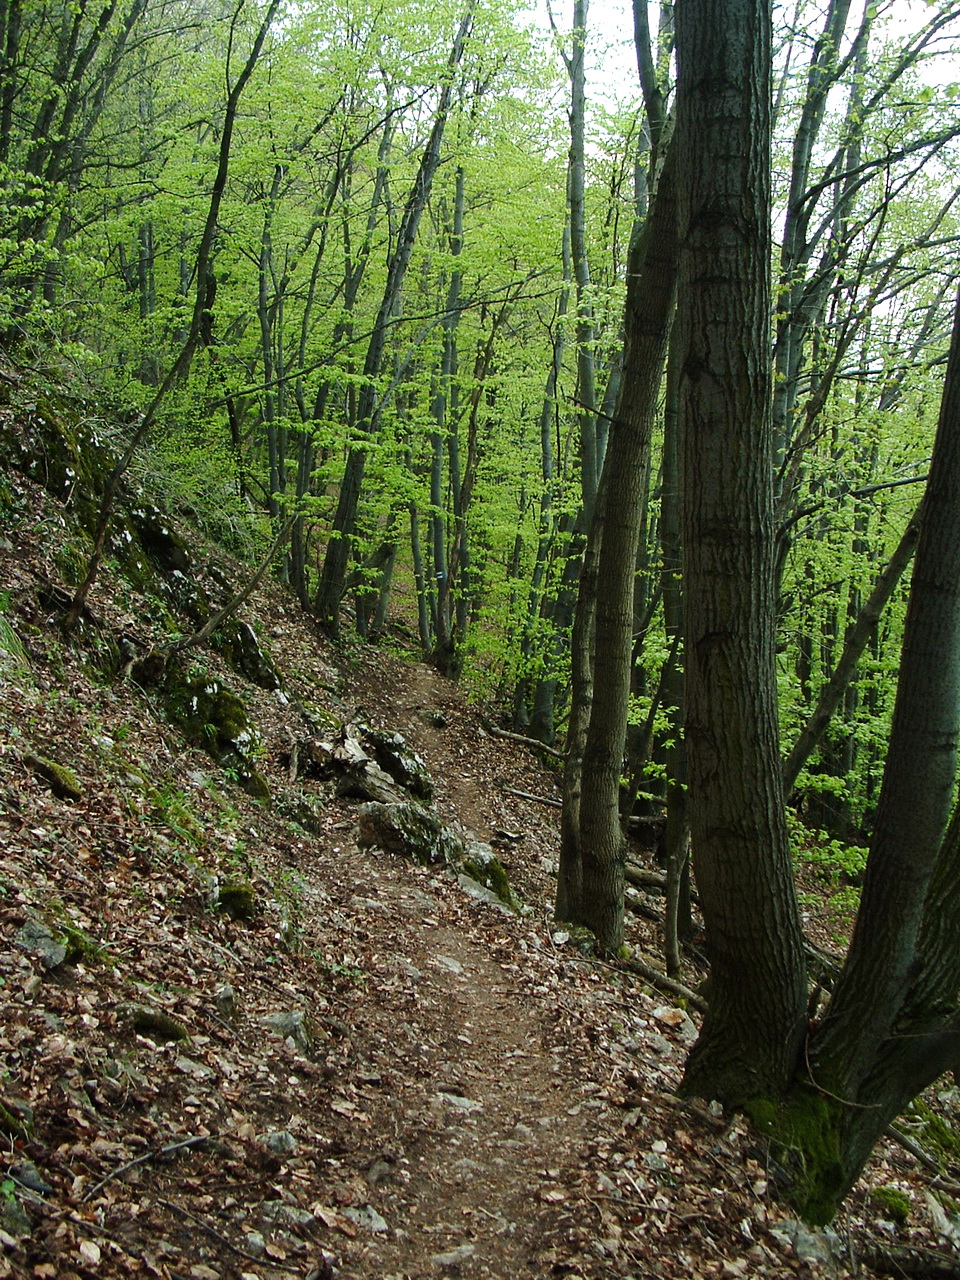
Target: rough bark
[
  {"x": 918, "y": 783},
  {"x": 752, "y": 1033}
]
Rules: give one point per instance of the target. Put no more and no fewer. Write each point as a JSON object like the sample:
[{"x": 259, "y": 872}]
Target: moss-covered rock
[
  {"x": 893, "y": 1203},
  {"x": 57, "y": 447},
  {"x": 396, "y": 758},
  {"x": 214, "y": 718},
  {"x": 483, "y": 865},
  {"x": 237, "y": 899},
  {"x": 410, "y": 831},
  {"x": 61, "y": 780},
  {"x": 154, "y": 1024},
  {"x": 238, "y": 645},
  {"x": 16, "y": 1118},
  {"x": 160, "y": 541}
]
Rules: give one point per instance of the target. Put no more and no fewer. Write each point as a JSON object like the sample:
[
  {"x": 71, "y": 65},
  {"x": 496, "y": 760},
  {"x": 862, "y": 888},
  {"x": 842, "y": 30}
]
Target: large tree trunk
[{"x": 752, "y": 1033}]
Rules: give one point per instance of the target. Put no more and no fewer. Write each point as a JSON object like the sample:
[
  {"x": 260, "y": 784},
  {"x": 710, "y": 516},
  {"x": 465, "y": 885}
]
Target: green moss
[
  {"x": 804, "y": 1136},
  {"x": 237, "y": 899},
  {"x": 214, "y": 718},
  {"x": 80, "y": 946},
  {"x": 892, "y": 1203},
  {"x": 488, "y": 870},
  {"x": 61, "y": 780},
  {"x": 936, "y": 1132},
  {"x": 16, "y": 1120}
]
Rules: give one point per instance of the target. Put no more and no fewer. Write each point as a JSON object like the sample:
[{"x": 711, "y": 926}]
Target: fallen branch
[
  {"x": 653, "y": 976},
  {"x": 527, "y": 742},
  {"x": 918, "y": 1152},
  {"x": 235, "y": 601},
  {"x": 527, "y": 795},
  {"x": 169, "y": 1150},
  {"x": 662, "y": 983},
  {"x": 898, "y": 1260},
  {"x": 643, "y": 878},
  {"x": 217, "y": 1235}
]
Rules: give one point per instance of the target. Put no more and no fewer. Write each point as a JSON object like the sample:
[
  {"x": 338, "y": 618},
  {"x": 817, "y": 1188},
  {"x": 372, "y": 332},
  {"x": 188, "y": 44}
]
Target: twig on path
[
  {"x": 151, "y": 1155},
  {"x": 212, "y": 1231}
]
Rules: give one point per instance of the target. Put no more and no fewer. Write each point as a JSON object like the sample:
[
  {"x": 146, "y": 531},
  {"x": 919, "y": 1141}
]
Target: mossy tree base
[{"x": 807, "y": 1151}]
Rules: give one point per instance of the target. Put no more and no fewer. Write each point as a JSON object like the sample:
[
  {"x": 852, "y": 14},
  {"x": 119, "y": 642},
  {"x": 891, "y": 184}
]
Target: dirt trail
[{"x": 491, "y": 1117}]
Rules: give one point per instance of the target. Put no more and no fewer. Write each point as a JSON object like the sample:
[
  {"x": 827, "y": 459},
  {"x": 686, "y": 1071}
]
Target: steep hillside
[{"x": 239, "y": 1044}]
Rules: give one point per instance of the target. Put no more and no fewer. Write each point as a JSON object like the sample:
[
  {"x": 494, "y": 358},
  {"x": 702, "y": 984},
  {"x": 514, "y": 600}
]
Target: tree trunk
[
  {"x": 752, "y": 1032},
  {"x": 651, "y": 295}
]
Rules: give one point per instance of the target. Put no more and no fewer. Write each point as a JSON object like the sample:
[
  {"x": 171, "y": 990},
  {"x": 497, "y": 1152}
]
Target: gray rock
[
  {"x": 367, "y": 1216},
  {"x": 279, "y": 1211},
  {"x": 380, "y": 1171},
  {"x": 454, "y": 1257},
  {"x": 280, "y": 1142},
  {"x": 810, "y": 1245},
  {"x": 459, "y": 1102},
  {"x": 255, "y": 1243},
  {"x": 226, "y": 1001},
  {"x": 482, "y": 894},
  {"x": 294, "y": 1026},
  {"x": 396, "y": 758},
  {"x": 37, "y": 940},
  {"x": 28, "y": 1175},
  {"x": 410, "y": 831}
]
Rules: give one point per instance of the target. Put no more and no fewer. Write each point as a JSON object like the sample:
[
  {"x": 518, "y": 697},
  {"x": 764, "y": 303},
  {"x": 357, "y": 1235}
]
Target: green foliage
[
  {"x": 934, "y": 1133},
  {"x": 834, "y": 860},
  {"x": 14, "y": 660}
]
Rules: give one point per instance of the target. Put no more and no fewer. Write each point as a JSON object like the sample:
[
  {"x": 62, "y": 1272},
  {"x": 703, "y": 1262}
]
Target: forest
[{"x": 631, "y": 403}]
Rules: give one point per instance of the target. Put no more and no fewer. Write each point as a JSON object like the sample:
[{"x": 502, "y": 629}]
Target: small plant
[
  {"x": 334, "y": 969},
  {"x": 13, "y": 656}
]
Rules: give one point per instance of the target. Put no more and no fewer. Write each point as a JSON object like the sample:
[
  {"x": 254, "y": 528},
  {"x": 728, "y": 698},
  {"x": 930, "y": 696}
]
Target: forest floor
[{"x": 380, "y": 1077}]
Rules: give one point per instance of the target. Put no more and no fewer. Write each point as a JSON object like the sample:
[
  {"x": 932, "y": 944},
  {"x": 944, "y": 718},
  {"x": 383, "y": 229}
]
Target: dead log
[
  {"x": 899, "y": 1260},
  {"x": 661, "y": 982},
  {"x": 527, "y": 742}
]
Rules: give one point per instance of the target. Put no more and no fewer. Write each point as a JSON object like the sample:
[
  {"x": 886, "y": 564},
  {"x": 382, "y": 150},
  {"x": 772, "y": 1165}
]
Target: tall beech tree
[
  {"x": 891, "y": 1027},
  {"x": 737, "y": 820}
]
